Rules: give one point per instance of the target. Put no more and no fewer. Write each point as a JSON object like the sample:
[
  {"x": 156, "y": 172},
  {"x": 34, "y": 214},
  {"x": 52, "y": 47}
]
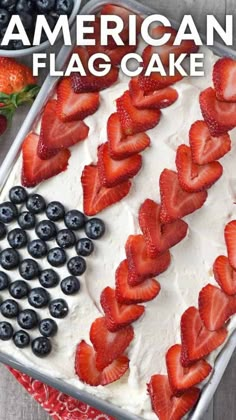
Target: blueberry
[
  {"x": 6, "y": 331},
  {"x": 17, "y": 44},
  {"x": 41, "y": 346},
  {"x": 27, "y": 319},
  {"x": 3, "y": 230},
  {"x": 26, "y": 19},
  {"x": 56, "y": 257},
  {"x": 37, "y": 248},
  {"x": 48, "y": 278},
  {"x": 26, "y": 220},
  {"x": 8, "y": 210},
  {"x": 35, "y": 203},
  {"x": 28, "y": 269},
  {"x": 95, "y": 228},
  {"x": 19, "y": 289},
  {"x": 24, "y": 6},
  {"x": 4, "y": 18},
  {"x": 76, "y": 266},
  {"x": 7, "y": 3},
  {"x": 84, "y": 247},
  {"x": 21, "y": 339},
  {"x": 70, "y": 285},
  {"x": 9, "y": 308},
  {"x": 38, "y": 297},
  {"x": 9, "y": 258},
  {"x": 65, "y": 238},
  {"x": 74, "y": 219},
  {"x": 64, "y": 7},
  {"x": 55, "y": 211},
  {"x": 46, "y": 230},
  {"x": 45, "y": 6},
  {"x": 48, "y": 327},
  {"x": 18, "y": 195},
  {"x": 17, "y": 238},
  {"x": 4, "y": 280},
  {"x": 58, "y": 308}
]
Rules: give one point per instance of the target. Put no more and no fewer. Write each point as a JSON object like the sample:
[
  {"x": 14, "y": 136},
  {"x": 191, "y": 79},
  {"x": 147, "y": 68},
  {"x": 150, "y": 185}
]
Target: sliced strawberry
[
  {"x": 56, "y": 134},
  {"x": 193, "y": 177},
  {"x": 141, "y": 266},
  {"x": 118, "y": 316},
  {"x": 74, "y": 106},
  {"x": 155, "y": 100},
  {"x": 115, "y": 370},
  {"x": 204, "y": 147},
  {"x": 215, "y": 307},
  {"x": 111, "y": 9},
  {"x": 219, "y": 116},
  {"x": 126, "y": 294},
  {"x": 180, "y": 378},
  {"x": 121, "y": 147},
  {"x": 159, "y": 237},
  {"x": 85, "y": 364},
  {"x": 134, "y": 120},
  {"x": 85, "y": 367},
  {"x": 225, "y": 275},
  {"x": 96, "y": 197},
  {"x": 165, "y": 404},
  {"x": 158, "y": 31},
  {"x": 230, "y": 240},
  {"x": 197, "y": 341},
  {"x": 175, "y": 202},
  {"x": 224, "y": 79},
  {"x": 149, "y": 84},
  {"x": 113, "y": 172},
  {"x": 109, "y": 345},
  {"x": 115, "y": 54},
  {"x": 34, "y": 169},
  {"x": 91, "y": 83}
]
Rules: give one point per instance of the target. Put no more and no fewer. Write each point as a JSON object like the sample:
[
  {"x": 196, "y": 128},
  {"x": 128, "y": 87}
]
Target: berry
[
  {"x": 35, "y": 203},
  {"x": 27, "y": 319},
  {"x": 55, "y": 211},
  {"x": 45, "y": 6},
  {"x": 17, "y": 238},
  {"x": 230, "y": 240},
  {"x": 223, "y": 79},
  {"x": 225, "y": 275},
  {"x": 4, "y": 280},
  {"x": 41, "y": 346},
  {"x": 3, "y": 124},
  {"x": 38, "y": 297},
  {"x": 58, "y": 308},
  {"x": 6, "y": 4},
  {"x": 56, "y": 257},
  {"x": 48, "y": 327},
  {"x": 74, "y": 219},
  {"x": 24, "y": 6},
  {"x": 76, "y": 266},
  {"x": 64, "y": 7},
  {"x": 26, "y": 19},
  {"x": 84, "y": 247},
  {"x": 18, "y": 195},
  {"x": 9, "y": 308},
  {"x": 6, "y": 331},
  {"x": 46, "y": 230},
  {"x": 65, "y": 238},
  {"x": 161, "y": 98},
  {"x": 29, "y": 269},
  {"x": 48, "y": 278},
  {"x": 70, "y": 285},
  {"x": 21, "y": 339},
  {"x": 8, "y": 212},
  {"x": 26, "y": 220},
  {"x": 95, "y": 228},
  {"x": 9, "y": 258},
  {"x": 18, "y": 289},
  {"x": 37, "y": 248},
  {"x": 4, "y": 18},
  {"x": 3, "y": 230}
]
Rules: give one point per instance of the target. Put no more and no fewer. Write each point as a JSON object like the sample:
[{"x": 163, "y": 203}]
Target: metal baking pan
[{"x": 46, "y": 91}]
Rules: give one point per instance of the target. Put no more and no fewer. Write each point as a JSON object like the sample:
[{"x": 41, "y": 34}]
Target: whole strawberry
[{"x": 17, "y": 86}]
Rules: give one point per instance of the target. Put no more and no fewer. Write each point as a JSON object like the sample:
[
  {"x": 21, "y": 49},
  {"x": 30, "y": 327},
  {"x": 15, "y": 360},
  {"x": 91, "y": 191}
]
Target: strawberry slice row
[{"x": 202, "y": 331}]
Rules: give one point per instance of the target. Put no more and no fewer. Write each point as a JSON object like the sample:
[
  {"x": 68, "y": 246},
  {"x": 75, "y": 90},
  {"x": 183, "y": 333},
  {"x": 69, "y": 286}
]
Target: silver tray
[{"x": 46, "y": 91}]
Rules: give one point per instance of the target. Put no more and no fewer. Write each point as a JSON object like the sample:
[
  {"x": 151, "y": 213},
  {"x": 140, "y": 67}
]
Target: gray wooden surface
[{"x": 15, "y": 404}]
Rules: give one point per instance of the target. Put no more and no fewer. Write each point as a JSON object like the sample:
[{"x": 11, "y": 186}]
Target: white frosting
[{"x": 192, "y": 259}]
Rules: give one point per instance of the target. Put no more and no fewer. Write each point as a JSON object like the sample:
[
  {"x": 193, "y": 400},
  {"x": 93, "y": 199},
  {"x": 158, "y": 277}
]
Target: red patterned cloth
[{"x": 57, "y": 404}]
